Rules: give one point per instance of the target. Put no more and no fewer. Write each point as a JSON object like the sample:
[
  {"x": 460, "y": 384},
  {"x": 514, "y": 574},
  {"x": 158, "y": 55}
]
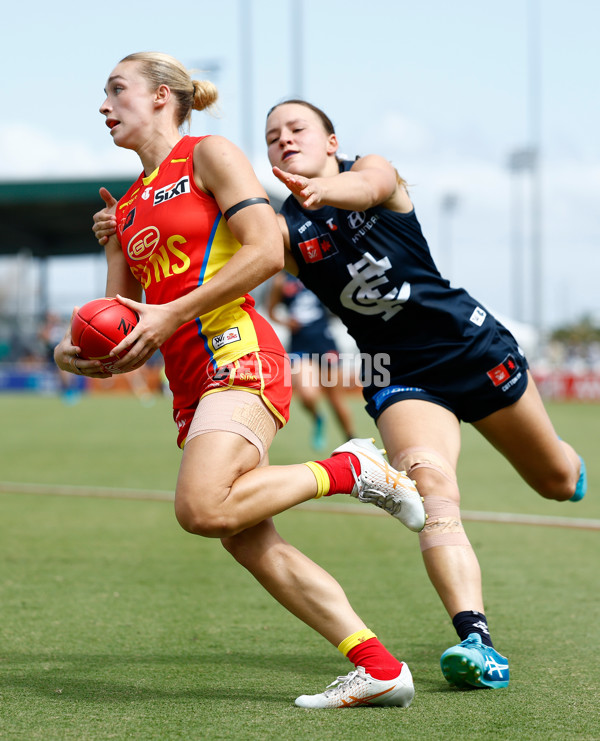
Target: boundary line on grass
[
  {"x": 106, "y": 492},
  {"x": 510, "y": 518}
]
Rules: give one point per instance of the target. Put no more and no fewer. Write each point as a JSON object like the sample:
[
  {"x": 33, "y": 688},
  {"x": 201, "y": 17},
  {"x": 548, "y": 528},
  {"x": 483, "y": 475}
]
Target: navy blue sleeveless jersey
[{"x": 375, "y": 271}]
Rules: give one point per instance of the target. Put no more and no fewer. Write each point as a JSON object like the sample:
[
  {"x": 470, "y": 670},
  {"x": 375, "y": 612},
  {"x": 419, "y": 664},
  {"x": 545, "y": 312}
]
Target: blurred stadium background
[
  {"x": 48, "y": 223},
  {"x": 508, "y": 220},
  {"x": 498, "y": 201}
]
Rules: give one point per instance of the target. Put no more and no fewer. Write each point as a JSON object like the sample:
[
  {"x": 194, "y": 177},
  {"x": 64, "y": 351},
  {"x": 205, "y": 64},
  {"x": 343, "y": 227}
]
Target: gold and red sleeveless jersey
[{"x": 175, "y": 238}]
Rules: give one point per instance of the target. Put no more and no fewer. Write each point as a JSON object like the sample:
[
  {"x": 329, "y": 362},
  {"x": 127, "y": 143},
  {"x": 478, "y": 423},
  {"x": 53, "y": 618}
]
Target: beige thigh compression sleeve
[
  {"x": 443, "y": 526},
  {"x": 241, "y": 412}
]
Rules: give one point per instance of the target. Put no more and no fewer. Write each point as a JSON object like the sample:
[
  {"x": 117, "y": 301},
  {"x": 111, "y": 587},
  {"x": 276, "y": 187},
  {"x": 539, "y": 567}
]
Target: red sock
[
  {"x": 341, "y": 480},
  {"x": 375, "y": 659}
]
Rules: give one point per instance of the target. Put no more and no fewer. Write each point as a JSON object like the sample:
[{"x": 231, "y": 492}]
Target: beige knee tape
[
  {"x": 443, "y": 526},
  {"x": 235, "y": 411},
  {"x": 413, "y": 458}
]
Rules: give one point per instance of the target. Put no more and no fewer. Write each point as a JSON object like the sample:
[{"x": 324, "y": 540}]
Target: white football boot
[
  {"x": 380, "y": 484},
  {"x": 359, "y": 689}
]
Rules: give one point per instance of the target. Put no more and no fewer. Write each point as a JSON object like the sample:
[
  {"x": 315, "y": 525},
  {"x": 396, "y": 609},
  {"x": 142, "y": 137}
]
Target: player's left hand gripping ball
[{"x": 99, "y": 326}]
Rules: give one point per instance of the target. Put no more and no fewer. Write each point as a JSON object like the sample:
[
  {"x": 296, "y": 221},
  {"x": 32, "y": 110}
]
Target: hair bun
[{"x": 205, "y": 94}]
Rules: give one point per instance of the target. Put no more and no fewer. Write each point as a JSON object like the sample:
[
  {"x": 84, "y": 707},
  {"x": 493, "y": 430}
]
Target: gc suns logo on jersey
[
  {"x": 171, "y": 191},
  {"x": 143, "y": 244}
]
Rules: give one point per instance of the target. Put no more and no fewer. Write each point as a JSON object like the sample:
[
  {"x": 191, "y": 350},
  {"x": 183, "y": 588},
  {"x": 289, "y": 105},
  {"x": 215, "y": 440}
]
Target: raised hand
[
  {"x": 105, "y": 221},
  {"x": 310, "y": 189}
]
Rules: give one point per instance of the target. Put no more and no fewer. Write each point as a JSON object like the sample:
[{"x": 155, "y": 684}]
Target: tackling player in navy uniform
[{"x": 439, "y": 357}]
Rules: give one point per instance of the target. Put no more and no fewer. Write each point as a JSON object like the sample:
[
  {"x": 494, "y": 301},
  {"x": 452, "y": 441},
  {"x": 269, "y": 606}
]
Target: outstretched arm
[{"x": 371, "y": 181}]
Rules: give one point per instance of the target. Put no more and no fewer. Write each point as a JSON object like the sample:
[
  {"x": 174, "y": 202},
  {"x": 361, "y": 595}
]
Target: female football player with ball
[
  {"x": 353, "y": 239},
  {"x": 196, "y": 234}
]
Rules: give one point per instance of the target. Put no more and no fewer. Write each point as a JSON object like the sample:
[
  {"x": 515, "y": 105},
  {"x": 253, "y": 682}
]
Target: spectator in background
[{"x": 50, "y": 334}]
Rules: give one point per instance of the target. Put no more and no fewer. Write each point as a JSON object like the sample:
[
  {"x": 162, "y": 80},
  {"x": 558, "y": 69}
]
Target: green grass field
[{"x": 115, "y": 624}]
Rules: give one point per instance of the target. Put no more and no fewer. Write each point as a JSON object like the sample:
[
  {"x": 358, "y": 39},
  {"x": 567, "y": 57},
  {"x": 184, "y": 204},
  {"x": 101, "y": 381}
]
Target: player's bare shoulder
[
  {"x": 217, "y": 161},
  {"x": 398, "y": 200},
  {"x": 216, "y": 151}
]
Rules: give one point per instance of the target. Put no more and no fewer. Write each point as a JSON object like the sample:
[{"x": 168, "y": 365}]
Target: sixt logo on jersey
[
  {"x": 501, "y": 373},
  {"x": 318, "y": 248},
  {"x": 169, "y": 192}
]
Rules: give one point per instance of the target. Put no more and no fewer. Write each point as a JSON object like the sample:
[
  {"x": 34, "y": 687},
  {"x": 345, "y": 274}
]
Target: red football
[{"x": 99, "y": 326}]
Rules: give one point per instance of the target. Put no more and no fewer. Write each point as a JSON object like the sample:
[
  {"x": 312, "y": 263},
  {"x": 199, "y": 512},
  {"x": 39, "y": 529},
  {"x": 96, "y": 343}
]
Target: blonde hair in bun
[{"x": 163, "y": 69}]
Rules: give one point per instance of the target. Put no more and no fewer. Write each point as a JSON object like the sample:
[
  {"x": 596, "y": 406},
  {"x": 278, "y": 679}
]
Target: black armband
[{"x": 242, "y": 204}]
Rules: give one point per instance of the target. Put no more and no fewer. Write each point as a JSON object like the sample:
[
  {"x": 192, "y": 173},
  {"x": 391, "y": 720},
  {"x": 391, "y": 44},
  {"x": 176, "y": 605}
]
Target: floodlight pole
[
  {"x": 535, "y": 133},
  {"x": 297, "y": 35},
  {"x": 448, "y": 206},
  {"x": 43, "y": 298},
  {"x": 519, "y": 161},
  {"x": 246, "y": 78}
]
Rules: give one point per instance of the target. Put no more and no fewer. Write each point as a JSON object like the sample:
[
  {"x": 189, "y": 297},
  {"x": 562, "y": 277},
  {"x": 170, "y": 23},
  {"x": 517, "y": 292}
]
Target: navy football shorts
[
  {"x": 314, "y": 343},
  {"x": 472, "y": 386}
]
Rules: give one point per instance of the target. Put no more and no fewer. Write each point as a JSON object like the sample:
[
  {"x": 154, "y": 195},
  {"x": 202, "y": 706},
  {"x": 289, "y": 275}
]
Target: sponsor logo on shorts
[
  {"x": 251, "y": 371},
  {"x": 247, "y": 377},
  {"x": 318, "y": 248},
  {"x": 503, "y": 372},
  {"x": 171, "y": 191},
  {"x": 513, "y": 380},
  {"x": 229, "y": 336},
  {"x": 478, "y": 316},
  {"x": 380, "y": 397}
]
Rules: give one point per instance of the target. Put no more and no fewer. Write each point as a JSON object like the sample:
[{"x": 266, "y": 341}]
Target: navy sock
[{"x": 472, "y": 621}]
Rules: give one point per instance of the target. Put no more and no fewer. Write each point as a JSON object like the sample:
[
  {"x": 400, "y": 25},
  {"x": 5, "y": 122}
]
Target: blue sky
[{"x": 441, "y": 89}]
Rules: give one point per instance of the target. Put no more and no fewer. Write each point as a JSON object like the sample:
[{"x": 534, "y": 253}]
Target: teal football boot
[{"x": 473, "y": 664}]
